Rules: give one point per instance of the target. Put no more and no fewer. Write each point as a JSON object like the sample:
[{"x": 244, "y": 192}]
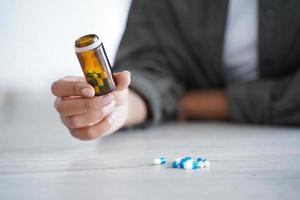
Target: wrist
[{"x": 136, "y": 109}]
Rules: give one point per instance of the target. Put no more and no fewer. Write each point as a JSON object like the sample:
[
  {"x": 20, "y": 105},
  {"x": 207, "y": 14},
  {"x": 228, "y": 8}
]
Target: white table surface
[{"x": 40, "y": 160}]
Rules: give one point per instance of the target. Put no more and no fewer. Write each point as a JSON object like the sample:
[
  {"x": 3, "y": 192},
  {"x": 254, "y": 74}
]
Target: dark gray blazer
[{"x": 171, "y": 46}]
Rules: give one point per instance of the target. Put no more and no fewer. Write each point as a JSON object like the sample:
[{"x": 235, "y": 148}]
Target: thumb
[{"x": 123, "y": 80}]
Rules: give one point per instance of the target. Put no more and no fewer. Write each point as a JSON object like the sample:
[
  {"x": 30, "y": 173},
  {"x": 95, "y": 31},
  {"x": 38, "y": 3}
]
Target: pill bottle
[{"x": 95, "y": 64}]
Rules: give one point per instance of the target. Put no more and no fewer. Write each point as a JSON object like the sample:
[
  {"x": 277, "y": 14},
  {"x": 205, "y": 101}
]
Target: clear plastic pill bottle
[{"x": 95, "y": 64}]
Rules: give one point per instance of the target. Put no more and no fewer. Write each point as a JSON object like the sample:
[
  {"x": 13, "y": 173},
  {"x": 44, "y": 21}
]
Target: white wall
[{"x": 37, "y": 38}]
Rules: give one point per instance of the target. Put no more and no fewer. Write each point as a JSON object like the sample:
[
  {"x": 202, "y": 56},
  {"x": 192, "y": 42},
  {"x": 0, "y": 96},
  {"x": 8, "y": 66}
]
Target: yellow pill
[{"x": 94, "y": 63}]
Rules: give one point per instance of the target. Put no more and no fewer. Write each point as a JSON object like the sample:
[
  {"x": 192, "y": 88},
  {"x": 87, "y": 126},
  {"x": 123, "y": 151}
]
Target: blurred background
[{"x": 37, "y": 47}]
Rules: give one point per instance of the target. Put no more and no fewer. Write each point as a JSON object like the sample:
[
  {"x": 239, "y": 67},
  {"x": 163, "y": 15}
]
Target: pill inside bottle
[{"x": 95, "y": 64}]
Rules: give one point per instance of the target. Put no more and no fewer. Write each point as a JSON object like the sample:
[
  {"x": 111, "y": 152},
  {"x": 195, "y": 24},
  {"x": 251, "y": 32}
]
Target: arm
[
  {"x": 154, "y": 79},
  {"x": 267, "y": 101}
]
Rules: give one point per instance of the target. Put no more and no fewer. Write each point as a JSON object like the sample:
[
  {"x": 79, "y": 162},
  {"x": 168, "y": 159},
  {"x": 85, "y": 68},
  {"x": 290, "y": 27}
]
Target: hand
[
  {"x": 203, "y": 104},
  {"x": 88, "y": 117}
]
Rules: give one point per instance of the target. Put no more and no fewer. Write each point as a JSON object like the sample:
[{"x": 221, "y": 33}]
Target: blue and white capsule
[
  {"x": 176, "y": 163},
  {"x": 183, "y": 160},
  {"x": 191, "y": 164},
  {"x": 206, "y": 163},
  {"x": 203, "y": 161},
  {"x": 201, "y": 164},
  {"x": 159, "y": 161}
]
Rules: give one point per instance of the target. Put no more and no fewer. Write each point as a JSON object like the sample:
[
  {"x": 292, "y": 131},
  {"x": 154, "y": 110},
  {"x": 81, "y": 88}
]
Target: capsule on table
[
  {"x": 95, "y": 64},
  {"x": 159, "y": 161},
  {"x": 203, "y": 162},
  {"x": 183, "y": 160},
  {"x": 176, "y": 163},
  {"x": 191, "y": 164},
  {"x": 206, "y": 163}
]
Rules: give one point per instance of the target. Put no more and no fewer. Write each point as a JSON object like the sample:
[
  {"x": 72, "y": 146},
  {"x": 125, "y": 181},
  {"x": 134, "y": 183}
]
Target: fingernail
[
  {"x": 87, "y": 92},
  {"x": 105, "y": 100},
  {"x": 128, "y": 73}
]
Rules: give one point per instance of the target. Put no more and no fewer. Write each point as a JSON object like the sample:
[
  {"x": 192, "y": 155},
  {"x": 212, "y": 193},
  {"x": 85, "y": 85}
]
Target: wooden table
[{"x": 40, "y": 160}]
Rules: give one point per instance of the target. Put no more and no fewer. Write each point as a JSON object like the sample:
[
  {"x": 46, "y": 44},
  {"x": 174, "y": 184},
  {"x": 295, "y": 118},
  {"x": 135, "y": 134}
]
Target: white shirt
[{"x": 240, "y": 41}]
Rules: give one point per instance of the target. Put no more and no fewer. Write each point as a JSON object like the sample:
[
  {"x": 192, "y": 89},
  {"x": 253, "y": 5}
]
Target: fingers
[
  {"x": 92, "y": 132},
  {"x": 72, "y": 86},
  {"x": 74, "y": 106},
  {"x": 77, "y": 86},
  {"x": 123, "y": 80},
  {"x": 87, "y": 119}
]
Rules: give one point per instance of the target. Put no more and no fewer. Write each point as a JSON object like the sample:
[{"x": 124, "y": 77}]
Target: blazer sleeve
[
  {"x": 267, "y": 101},
  {"x": 152, "y": 77}
]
